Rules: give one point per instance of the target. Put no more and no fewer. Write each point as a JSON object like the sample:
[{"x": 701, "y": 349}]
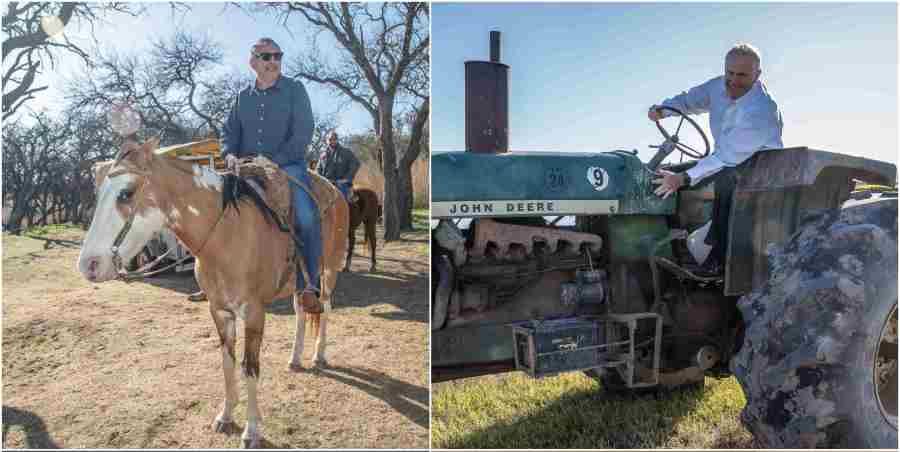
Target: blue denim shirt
[{"x": 276, "y": 122}]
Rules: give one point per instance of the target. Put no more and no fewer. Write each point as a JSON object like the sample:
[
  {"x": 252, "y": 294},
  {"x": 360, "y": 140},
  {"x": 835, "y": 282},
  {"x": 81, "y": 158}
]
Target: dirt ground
[{"x": 118, "y": 365}]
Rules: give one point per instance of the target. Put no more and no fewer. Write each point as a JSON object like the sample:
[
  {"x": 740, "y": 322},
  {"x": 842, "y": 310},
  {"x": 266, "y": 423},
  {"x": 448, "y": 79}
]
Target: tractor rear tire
[{"x": 818, "y": 364}]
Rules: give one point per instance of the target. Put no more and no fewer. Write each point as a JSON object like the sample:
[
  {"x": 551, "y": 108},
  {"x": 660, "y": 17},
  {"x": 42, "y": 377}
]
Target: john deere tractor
[{"x": 562, "y": 262}]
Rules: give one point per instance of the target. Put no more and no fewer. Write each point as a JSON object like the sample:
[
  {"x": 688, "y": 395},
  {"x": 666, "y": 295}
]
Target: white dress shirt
[{"x": 740, "y": 127}]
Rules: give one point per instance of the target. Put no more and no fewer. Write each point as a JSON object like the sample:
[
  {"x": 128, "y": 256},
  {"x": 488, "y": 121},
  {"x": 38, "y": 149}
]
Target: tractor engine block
[{"x": 509, "y": 271}]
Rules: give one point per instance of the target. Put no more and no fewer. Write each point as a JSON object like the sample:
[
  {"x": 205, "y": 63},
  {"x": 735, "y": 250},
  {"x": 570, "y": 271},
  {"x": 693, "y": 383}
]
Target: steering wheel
[{"x": 673, "y": 138}]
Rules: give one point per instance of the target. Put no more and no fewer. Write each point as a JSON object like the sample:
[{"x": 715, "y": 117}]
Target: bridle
[{"x": 130, "y": 276}]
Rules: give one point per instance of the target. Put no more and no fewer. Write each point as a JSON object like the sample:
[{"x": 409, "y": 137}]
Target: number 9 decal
[{"x": 598, "y": 178}]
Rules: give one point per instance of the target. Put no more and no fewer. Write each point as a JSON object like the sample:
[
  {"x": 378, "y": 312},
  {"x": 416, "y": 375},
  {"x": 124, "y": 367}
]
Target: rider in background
[
  {"x": 339, "y": 165},
  {"x": 743, "y": 119}
]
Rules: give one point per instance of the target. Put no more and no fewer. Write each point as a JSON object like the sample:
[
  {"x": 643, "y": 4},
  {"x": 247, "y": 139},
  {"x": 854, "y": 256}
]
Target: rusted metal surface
[
  {"x": 487, "y": 103},
  {"x": 504, "y": 236},
  {"x": 487, "y": 107},
  {"x": 776, "y": 191},
  {"x": 791, "y": 167}
]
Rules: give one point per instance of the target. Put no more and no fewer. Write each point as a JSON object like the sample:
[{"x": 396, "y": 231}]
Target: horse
[
  {"x": 243, "y": 261},
  {"x": 364, "y": 210}
]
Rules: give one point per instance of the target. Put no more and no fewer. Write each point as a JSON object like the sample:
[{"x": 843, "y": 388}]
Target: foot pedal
[{"x": 685, "y": 273}]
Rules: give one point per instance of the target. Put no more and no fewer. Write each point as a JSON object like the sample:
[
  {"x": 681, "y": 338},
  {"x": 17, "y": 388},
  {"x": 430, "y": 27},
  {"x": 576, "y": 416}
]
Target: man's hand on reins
[{"x": 231, "y": 164}]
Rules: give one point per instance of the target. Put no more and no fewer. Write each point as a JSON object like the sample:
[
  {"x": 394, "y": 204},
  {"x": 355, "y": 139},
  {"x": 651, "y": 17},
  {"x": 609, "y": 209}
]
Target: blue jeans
[
  {"x": 345, "y": 188},
  {"x": 306, "y": 219}
]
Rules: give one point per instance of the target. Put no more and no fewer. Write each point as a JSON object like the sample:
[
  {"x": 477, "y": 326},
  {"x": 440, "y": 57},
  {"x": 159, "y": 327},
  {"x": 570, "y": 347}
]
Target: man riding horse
[
  {"x": 339, "y": 165},
  {"x": 272, "y": 117}
]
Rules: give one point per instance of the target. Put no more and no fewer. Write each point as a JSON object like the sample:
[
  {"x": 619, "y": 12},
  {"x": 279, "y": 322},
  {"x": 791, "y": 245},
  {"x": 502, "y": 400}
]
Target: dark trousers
[{"x": 725, "y": 181}]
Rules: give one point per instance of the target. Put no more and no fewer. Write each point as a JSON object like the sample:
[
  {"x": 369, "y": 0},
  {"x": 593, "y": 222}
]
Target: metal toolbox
[{"x": 549, "y": 347}]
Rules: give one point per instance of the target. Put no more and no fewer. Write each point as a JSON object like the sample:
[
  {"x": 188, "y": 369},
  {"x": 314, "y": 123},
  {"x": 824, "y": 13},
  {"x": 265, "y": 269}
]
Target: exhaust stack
[{"x": 487, "y": 103}]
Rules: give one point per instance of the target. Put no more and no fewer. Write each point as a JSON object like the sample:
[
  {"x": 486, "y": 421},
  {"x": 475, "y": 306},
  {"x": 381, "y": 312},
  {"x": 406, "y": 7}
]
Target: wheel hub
[{"x": 886, "y": 369}]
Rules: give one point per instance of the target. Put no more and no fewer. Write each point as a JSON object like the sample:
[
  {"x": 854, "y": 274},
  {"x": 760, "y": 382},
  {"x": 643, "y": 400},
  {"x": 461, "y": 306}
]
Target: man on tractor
[{"x": 743, "y": 118}]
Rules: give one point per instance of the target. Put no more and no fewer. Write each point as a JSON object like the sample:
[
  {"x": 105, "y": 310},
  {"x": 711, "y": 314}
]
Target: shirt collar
[
  {"x": 276, "y": 87},
  {"x": 748, "y": 96}
]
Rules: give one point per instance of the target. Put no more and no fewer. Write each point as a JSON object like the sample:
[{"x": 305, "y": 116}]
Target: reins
[{"x": 141, "y": 273}]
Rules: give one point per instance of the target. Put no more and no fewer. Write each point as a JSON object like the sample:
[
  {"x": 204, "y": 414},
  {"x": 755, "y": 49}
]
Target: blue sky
[
  {"x": 235, "y": 30},
  {"x": 583, "y": 74}
]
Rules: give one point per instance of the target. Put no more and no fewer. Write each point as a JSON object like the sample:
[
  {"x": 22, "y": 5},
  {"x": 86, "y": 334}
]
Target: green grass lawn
[
  {"x": 420, "y": 219},
  {"x": 572, "y": 411}
]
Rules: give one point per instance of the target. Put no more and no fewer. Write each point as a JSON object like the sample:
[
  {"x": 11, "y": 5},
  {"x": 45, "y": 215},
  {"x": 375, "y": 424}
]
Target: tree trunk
[
  {"x": 393, "y": 200},
  {"x": 404, "y": 175},
  {"x": 15, "y": 221}
]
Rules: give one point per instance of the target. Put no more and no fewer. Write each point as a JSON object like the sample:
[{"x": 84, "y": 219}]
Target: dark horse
[{"x": 364, "y": 210}]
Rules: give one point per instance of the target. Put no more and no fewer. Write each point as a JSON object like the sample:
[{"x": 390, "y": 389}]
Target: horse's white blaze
[
  {"x": 207, "y": 178},
  {"x": 107, "y": 223}
]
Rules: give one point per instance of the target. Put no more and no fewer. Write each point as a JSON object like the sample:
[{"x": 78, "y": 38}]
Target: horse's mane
[{"x": 234, "y": 188}]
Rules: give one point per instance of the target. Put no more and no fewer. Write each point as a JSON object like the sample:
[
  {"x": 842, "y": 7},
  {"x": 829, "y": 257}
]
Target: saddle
[{"x": 278, "y": 192}]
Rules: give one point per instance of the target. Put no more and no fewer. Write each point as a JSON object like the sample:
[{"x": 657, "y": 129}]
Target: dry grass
[
  {"x": 137, "y": 366},
  {"x": 369, "y": 177}
]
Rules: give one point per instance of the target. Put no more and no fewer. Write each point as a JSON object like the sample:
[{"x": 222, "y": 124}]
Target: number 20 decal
[{"x": 598, "y": 177}]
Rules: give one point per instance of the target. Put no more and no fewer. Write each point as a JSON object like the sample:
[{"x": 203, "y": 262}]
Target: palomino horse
[
  {"x": 242, "y": 259},
  {"x": 363, "y": 210}
]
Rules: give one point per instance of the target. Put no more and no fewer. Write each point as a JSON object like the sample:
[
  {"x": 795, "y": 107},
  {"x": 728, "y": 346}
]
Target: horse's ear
[{"x": 145, "y": 153}]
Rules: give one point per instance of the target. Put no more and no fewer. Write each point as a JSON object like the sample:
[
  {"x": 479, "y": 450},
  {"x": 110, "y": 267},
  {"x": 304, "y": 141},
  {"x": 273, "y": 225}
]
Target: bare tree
[
  {"x": 34, "y": 40},
  {"x": 384, "y": 57},
  {"x": 218, "y": 97},
  {"x": 164, "y": 112},
  {"x": 91, "y": 140},
  {"x": 30, "y": 154},
  {"x": 180, "y": 63},
  {"x": 47, "y": 166}
]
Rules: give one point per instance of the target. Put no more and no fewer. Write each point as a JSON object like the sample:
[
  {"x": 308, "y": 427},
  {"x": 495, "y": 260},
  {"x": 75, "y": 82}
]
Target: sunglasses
[{"x": 268, "y": 56}]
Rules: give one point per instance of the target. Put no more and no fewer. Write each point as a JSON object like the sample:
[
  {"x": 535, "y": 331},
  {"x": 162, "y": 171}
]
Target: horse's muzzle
[{"x": 96, "y": 268}]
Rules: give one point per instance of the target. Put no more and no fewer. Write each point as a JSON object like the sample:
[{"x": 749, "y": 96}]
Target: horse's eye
[{"x": 125, "y": 195}]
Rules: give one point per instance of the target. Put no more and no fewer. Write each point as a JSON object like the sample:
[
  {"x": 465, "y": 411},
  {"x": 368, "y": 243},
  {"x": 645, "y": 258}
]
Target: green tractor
[{"x": 561, "y": 262}]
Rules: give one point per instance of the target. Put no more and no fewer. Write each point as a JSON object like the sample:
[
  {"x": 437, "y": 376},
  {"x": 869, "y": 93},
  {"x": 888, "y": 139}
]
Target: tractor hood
[{"x": 468, "y": 184}]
